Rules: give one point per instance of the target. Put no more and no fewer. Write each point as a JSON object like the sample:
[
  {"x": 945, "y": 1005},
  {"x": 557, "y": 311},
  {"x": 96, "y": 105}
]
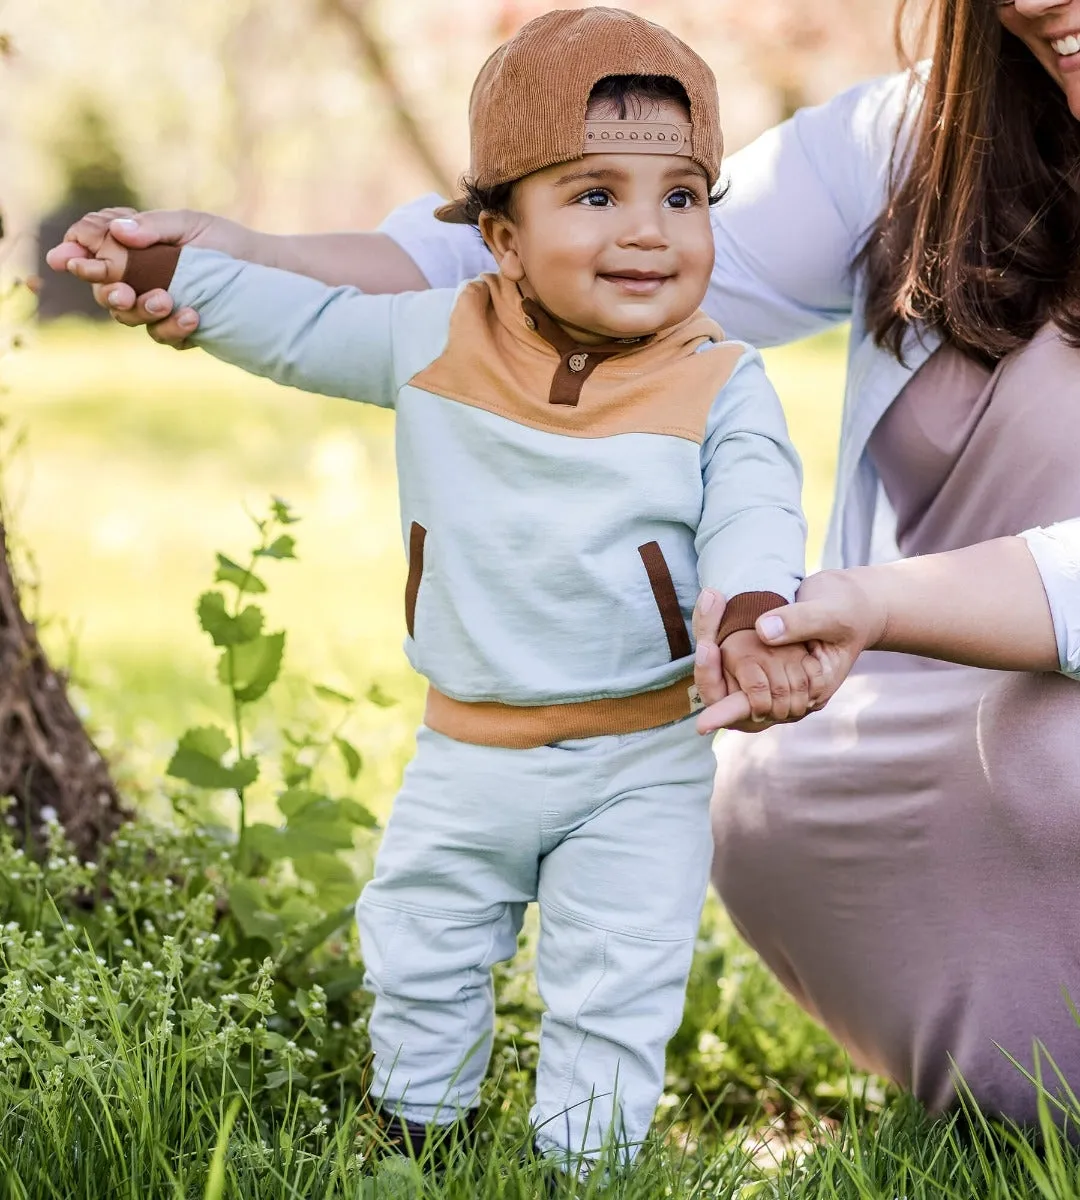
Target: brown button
[{"x": 578, "y": 362}]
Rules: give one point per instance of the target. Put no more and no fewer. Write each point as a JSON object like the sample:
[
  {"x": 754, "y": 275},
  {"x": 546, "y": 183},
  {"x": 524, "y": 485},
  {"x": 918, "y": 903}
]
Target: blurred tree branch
[{"x": 355, "y": 17}]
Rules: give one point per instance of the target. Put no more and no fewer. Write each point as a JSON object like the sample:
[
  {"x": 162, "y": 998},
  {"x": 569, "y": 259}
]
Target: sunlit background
[{"x": 291, "y": 115}]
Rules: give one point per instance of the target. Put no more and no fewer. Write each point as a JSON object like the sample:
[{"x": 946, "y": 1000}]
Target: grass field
[{"x": 137, "y": 467}]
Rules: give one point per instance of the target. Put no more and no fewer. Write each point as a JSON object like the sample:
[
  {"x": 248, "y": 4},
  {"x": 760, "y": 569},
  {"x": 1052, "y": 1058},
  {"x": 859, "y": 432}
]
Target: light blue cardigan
[{"x": 802, "y": 198}]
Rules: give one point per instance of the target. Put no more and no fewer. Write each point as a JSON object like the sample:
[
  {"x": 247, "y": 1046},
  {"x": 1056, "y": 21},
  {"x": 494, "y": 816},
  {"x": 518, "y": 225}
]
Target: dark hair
[
  {"x": 980, "y": 235},
  {"x": 625, "y": 94}
]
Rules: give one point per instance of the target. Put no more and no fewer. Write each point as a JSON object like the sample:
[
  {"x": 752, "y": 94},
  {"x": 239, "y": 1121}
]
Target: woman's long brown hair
[{"x": 980, "y": 236}]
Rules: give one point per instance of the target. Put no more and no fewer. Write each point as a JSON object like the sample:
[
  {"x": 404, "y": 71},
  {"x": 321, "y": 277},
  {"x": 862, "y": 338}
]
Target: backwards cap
[{"x": 528, "y": 105}]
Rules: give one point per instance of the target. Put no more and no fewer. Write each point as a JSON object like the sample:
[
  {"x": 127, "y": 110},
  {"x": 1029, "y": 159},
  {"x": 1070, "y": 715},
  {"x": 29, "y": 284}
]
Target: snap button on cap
[
  {"x": 530, "y": 324},
  {"x": 577, "y": 362}
]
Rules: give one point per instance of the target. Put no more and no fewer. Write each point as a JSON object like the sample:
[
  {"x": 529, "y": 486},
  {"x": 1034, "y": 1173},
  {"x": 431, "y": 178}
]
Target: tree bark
[{"x": 48, "y": 763}]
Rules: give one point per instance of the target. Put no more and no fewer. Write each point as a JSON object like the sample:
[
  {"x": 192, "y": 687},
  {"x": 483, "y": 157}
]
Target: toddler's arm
[
  {"x": 751, "y": 542},
  {"x": 751, "y": 539},
  {"x": 334, "y": 341},
  {"x": 370, "y": 261}
]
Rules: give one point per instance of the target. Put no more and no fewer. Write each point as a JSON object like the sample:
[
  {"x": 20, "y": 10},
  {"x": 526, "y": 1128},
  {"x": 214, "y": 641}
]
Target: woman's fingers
[
  {"x": 732, "y": 710},
  {"x": 174, "y": 226},
  {"x": 804, "y": 621},
  {"x": 708, "y": 613},
  {"x": 708, "y": 672},
  {"x": 817, "y": 682}
]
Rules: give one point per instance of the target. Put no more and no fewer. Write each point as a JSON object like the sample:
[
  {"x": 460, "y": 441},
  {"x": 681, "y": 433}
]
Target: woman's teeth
[{"x": 1067, "y": 45}]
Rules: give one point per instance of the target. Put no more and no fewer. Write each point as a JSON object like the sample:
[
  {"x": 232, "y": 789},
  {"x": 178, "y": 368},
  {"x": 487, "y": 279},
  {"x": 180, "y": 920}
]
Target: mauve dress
[{"x": 907, "y": 861}]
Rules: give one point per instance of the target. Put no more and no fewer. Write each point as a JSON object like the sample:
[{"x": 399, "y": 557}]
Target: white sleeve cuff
[{"x": 1056, "y": 550}]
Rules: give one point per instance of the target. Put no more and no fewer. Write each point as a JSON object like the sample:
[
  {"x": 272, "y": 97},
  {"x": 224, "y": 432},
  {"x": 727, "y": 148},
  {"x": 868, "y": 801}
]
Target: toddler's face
[{"x": 616, "y": 244}]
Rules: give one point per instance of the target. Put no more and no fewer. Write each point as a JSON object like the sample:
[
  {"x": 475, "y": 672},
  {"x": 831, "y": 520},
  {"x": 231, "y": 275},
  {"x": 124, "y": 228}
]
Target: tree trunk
[{"x": 48, "y": 763}]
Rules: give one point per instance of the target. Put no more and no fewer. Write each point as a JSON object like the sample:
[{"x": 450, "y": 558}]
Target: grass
[{"x": 138, "y": 465}]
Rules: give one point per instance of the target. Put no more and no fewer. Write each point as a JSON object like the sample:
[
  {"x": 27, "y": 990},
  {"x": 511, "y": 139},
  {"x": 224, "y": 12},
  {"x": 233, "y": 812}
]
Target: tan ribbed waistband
[{"x": 521, "y": 727}]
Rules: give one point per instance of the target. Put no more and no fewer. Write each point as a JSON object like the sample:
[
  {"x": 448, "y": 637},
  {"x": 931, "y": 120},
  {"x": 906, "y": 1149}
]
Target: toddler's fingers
[
  {"x": 117, "y": 297},
  {"x": 175, "y": 329},
  {"x": 146, "y": 309},
  {"x": 758, "y": 688},
  {"x": 89, "y": 270},
  {"x": 798, "y": 691}
]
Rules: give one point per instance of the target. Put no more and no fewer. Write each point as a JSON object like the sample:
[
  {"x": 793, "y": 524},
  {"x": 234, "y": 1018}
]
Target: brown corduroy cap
[{"x": 528, "y": 105}]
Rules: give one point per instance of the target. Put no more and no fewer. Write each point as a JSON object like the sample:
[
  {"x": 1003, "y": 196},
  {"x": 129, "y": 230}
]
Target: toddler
[{"x": 580, "y": 451}]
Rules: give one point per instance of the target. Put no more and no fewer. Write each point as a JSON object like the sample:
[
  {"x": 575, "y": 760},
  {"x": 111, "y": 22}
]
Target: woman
[{"x": 906, "y": 861}]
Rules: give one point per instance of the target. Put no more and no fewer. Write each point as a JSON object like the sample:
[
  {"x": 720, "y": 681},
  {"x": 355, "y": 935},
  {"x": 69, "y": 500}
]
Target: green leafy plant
[{"x": 317, "y": 830}]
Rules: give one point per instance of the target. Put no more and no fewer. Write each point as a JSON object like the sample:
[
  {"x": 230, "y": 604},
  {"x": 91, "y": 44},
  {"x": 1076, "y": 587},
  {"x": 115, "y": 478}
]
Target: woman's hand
[{"x": 834, "y": 614}]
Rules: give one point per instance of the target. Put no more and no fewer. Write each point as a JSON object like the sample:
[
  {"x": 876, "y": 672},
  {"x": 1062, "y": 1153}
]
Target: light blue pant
[{"x": 611, "y": 836}]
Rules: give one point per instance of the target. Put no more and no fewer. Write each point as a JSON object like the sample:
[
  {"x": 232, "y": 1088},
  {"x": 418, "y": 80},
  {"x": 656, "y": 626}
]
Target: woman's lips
[{"x": 1067, "y": 52}]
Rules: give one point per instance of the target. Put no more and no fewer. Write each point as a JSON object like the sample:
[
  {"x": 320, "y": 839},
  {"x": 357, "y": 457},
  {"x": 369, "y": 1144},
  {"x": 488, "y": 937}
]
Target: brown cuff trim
[
  {"x": 744, "y": 609},
  {"x": 151, "y": 268}
]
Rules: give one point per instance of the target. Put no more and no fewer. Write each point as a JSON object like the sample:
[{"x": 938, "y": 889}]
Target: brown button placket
[{"x": 576, "y": 360}]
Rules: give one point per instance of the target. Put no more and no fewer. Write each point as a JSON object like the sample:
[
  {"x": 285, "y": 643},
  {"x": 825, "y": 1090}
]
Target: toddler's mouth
[{"x": 636, "y": 283}]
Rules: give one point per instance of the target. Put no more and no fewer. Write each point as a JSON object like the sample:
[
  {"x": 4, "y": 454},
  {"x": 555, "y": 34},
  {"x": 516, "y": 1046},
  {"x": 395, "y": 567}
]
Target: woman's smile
[{"x": 1051, "y": 31}]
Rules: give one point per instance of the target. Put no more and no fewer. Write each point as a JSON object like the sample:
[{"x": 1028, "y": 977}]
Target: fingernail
[
  {"x": 771, "y": 628},
  {"x": 187, "y": 321},
  {"x": 708, "y": 599},
  {"x": 155, "y": 306},
  {"x": 128, "y": 223},
  {"x": 701, "y": 654},
  {"x": 114, "y": 297}
]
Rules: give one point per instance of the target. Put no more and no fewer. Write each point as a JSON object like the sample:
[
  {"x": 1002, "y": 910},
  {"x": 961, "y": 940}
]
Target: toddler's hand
[
  {"x": 780, "y": 683},
  {"x": 109, "y": 262}
]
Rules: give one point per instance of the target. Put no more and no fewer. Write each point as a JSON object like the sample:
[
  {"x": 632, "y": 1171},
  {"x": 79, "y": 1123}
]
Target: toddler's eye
[
  {"x": 681, "y": 198},
  {"x": 597, "y": 198}
]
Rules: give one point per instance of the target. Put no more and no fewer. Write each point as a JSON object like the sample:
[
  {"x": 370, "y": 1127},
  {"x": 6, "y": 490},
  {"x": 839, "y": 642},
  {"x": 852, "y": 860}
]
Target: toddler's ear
[{"x": 500, "y": 237}]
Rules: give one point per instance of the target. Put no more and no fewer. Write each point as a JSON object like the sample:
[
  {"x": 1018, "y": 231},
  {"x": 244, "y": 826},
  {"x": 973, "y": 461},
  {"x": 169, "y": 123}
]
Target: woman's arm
[{"x": 983, "y": 605}]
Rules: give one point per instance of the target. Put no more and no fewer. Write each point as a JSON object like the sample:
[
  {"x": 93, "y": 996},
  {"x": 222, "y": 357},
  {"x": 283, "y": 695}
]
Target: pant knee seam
[
  {"x": 484, "y": 917},
  {"x": 636, "y": 932}
]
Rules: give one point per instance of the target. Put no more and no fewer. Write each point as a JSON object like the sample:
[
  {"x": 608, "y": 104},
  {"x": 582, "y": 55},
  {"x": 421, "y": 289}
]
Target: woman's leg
[{"x": 906, "y": 863}]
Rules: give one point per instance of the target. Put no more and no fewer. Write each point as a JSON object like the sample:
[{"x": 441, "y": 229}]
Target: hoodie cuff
[
  {"x": 151, "y": 268},
  {"x": 744, "y": 609}
]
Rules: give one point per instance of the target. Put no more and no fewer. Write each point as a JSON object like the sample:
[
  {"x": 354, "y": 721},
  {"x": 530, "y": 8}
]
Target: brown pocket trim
[
  {"x": 417, "y": 536},
  {"x": 667, "y": 602}
]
